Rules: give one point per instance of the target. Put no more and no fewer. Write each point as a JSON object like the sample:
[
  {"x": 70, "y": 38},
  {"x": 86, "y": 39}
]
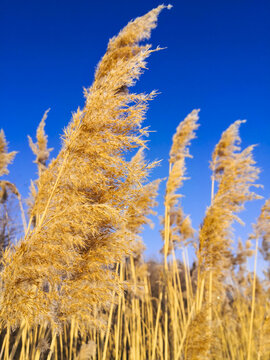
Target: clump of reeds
[{"x": 82, "y": 246}]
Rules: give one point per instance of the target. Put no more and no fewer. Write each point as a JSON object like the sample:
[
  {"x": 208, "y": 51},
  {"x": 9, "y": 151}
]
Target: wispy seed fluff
[
  {"x": 235, "y": 172},
  {"x": 6, "y": 157},
  {"x": 40, "y": 148},
  {"x": 7, "y": 226},
  {"x": 177, "y": 226},
  {"x": 62, "y": 269},
  {"x": 42, "y": 153},
  {"x": 262, "y": 230}
]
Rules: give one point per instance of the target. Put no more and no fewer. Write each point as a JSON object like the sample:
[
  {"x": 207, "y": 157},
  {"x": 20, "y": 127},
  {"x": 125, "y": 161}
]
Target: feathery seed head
[
  {"x": 262, "y": 230},
  {"x": 5, "y": 157},
  {"x": 235, "y": 172},
  {"x": 87, "y": 196},
  {"x": 177, "y": 227},
  {"x": 40, "y": 147}
]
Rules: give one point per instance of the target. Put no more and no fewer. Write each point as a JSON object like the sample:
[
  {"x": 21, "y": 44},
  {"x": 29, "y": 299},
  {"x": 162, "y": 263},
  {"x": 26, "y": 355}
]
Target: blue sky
[{"x": 217, "y": 59}]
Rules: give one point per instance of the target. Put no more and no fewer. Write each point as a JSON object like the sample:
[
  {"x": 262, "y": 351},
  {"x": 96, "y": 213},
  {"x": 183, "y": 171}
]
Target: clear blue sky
[{"x": 217, "y": 59}]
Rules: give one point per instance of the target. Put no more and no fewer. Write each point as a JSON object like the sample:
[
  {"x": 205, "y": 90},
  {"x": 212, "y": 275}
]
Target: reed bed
[{"x": 76, "y": 286}]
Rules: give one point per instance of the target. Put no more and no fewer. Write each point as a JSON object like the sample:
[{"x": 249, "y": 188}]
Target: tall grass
[{"x": 77, "y": 286}]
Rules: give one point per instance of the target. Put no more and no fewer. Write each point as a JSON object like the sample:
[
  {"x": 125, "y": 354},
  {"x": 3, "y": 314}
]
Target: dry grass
[{"x": 77, "y": 287}]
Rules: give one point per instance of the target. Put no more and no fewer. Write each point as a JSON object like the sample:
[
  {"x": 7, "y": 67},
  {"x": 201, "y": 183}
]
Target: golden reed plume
[
  {"x": 235, "y": 172},
  {"x": 42, "y": 153},
  {"x": 40, "y": 148},
  {"x": 63, "y": 267},
  {"x": 177, "y": 226},
  {"x": 5, "y": 157}
]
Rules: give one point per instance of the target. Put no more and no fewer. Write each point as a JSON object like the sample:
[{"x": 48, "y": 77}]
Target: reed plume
[
  {"x": 6, "y": 158},
  {"x": 42, "y": 153},
  {"x": 235, "y": 172},
  {"x": 8, "y": 191},
  {"x": 177, "y": 226},
  {"x": 40, "y": 148},
  {"x": 262, "y": 230},
  {"x": 62, "y": 268}
]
